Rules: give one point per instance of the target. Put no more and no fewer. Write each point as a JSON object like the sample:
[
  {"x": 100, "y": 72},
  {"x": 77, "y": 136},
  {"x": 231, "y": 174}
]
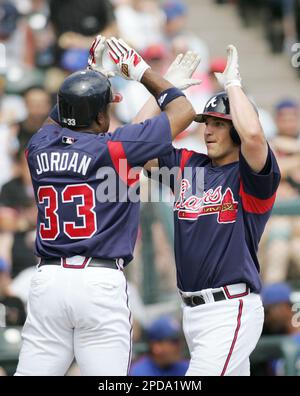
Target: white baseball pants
[
  {"x": 221, "y": 335},
  {"x": 81, "y": 313}
]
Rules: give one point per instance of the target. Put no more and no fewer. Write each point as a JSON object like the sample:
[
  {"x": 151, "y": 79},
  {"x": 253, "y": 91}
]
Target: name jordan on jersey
[{"x": 62, "y": 162}]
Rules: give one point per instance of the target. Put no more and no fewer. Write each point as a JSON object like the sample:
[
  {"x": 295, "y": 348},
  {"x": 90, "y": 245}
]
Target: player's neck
[
  {"x": 228, "y": 159},
  {"x": 99, "y": 126},
  {"x": 94, "y": 129}
]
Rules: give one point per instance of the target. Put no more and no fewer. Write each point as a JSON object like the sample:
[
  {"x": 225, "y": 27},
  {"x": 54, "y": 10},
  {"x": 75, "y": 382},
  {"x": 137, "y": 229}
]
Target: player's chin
[{"x": 212, "y": 151}]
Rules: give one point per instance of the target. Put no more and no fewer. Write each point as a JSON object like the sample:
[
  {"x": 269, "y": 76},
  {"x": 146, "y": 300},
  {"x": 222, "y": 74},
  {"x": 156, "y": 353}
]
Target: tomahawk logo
[
  {"x": 212, "y": 102},
  {"x": 213, "y": 202}
]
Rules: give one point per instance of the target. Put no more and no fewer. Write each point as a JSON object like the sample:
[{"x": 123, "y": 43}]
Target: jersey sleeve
[
  {"x": 175, "y": 158},
  {"x": 142, "y": 142},
  {"x": 174, "y": 161},
  {"x": 258, "y": 190}
]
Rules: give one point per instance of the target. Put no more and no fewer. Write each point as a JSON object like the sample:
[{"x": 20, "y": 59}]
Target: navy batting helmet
[
  {"x": 82, "y": 96},
  {"x": 218, "y": 106}
]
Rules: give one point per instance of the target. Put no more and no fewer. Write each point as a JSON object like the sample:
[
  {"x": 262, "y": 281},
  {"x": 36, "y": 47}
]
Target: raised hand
[
  {"x": 231, "y": 75},
  {"x": 96, "y": 57},
  {"x": 182, "y": 69},
  {"x": 129, "y": 63}
]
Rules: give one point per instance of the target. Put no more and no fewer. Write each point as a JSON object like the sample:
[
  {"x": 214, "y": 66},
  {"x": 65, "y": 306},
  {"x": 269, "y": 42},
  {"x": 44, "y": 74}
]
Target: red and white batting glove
[
  {"x": 97, "y": 56},
  {"x": 129, "y": 63},
  {"x": 231, "y": 75}
]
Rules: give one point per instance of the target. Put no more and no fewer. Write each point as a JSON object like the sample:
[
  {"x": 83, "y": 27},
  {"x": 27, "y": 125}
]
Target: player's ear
[
  {"x": 103, "y": 120},
  {"x": 100, "y": 120}
]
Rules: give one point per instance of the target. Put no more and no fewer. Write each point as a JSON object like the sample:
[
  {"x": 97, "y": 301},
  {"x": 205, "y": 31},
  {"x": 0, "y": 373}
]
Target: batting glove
[
  {"x": 181, "y": 70},
  {"x": 96, "y": 57},
  {"x": 231, "y": 75},
  {"x": 130, "y": 64}
]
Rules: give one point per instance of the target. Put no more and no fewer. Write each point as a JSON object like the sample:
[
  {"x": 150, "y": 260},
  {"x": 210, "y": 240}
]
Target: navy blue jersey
[
  {"x": 69, "y": 172},
  {"x": 217, "y": 231}
]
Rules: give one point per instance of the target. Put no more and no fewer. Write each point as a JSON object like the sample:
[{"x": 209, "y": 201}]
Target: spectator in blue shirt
[
  {"x": 276, "y": 299},
  {"x": 165, "y": 351},
  {"x": 280, "y": 319}
]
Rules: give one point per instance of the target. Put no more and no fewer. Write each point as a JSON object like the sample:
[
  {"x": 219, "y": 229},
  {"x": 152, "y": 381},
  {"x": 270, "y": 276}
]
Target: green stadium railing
[
  {"x": 150, "y": 213},
  {"x": 276, "y": 347},
  {"x": 10, "y": 345},
  {"x": 286, "y": 208}
]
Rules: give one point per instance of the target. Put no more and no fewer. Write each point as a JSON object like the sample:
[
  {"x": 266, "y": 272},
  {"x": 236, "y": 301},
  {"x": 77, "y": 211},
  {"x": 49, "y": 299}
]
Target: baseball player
[
  {"x": 218, "y": 225},
  {"x": 78, "y": 303}
]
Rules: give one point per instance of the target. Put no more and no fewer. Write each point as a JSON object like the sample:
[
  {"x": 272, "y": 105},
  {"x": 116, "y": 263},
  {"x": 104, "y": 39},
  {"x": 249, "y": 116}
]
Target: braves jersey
[
  {"x": 70, "y": 173},
  {"x": 217, "y": 230}
]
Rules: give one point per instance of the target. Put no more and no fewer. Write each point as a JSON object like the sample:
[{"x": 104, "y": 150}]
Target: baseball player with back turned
[
  {"x": 218, "y": 225},
  {"x": 78, "y": 303}
]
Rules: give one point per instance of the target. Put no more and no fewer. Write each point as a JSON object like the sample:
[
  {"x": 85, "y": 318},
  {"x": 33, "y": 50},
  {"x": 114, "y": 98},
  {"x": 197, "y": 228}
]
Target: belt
[
  {"x": 93, "y": 262},
  {"x": 193, "y": 301},
  {"x": 216, "y": 295}
]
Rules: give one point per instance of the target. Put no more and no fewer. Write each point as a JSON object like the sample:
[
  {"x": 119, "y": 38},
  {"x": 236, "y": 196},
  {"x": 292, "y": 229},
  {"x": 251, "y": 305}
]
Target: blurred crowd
[
  {"x": 43, "y": 41},
  {"x": 279, "y": 19}
]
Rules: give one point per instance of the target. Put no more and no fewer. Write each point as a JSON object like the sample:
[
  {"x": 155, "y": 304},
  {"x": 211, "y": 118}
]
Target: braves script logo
[{"x": 212, "y": 202}]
